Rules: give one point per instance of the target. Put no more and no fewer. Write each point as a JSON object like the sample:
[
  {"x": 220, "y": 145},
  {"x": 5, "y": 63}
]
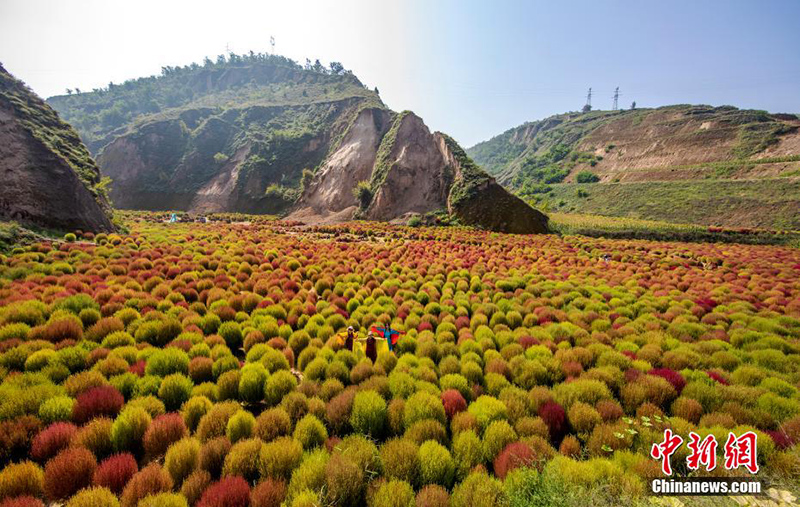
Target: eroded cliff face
[
  {"x": 247, "y": 160},
  {"x": 410, "y": 171},
  {"x": 47, "y": 177}
]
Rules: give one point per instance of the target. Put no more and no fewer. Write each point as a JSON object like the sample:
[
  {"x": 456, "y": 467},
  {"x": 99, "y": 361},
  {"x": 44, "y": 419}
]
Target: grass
[
  {"x": 767, "y": 203},
  {"x": 633, "y": 228}
]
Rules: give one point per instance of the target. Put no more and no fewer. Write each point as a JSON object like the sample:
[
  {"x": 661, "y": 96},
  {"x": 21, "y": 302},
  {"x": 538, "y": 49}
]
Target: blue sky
[{"x": 471, "y": 69}]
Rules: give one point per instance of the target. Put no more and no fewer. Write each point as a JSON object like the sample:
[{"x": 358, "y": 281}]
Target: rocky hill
[
  {"x": 49, "y": 179},
  {"x": 261, "y": 134},
  {"x": 700, "y": 164}
]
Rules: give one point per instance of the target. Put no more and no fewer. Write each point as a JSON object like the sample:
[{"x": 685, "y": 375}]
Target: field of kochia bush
[{"x": 188, "y": 364}]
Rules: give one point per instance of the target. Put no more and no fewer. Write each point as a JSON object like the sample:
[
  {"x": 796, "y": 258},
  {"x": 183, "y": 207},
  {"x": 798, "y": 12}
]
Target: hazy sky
[{"x": 470, "y": 68}]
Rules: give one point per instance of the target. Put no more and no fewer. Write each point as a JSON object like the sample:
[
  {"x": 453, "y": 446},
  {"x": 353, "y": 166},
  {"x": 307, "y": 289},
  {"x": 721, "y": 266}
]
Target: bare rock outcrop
[{"x": 48, "y": 178}]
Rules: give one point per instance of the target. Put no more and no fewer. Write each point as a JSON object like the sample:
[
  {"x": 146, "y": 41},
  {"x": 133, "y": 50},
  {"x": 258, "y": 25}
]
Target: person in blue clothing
[{"x": 390, "y": 335}]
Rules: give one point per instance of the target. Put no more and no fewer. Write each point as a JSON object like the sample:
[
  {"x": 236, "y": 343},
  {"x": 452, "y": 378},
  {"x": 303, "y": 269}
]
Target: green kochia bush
[
  {"x": 240, "y": 426},
  {"x": 128, "y": 429},
  {"x": 436, "y": 464},
  {"x": 310, "y": 432},
  {"x": 487, "y": 409},
  {"x": 422, "y": 406},
  {"x": 175, "y": 390},
  {"x": 368, "y": 415},
  {"x": 400, "y": 460}
]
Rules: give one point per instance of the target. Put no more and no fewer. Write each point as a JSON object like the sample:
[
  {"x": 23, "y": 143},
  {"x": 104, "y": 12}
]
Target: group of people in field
[{"x": 349, "y": 337}]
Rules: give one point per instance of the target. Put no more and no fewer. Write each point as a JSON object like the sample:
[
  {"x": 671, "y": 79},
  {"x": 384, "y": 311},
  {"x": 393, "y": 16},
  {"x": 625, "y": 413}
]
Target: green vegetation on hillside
[
  {"x": 767, "y": 203},
  {"x": 236, "y": 81}
]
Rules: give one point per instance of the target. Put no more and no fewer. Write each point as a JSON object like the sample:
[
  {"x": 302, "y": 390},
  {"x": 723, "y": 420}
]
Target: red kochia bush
[
  {"x": 163, "y": 431},
  {"x": 555, "y": 418},
  {"x": 268, "y": 493},
  {"x": 22, "y": 501},
  {"x": 717, "y": 377},
  {"x": 115, "y": 472},
  {"x": 515, "y": 455},
  {"x": 671, "y": 376},
  {"x": 103, "y": 401},
  {"x": 51, "y": 440},
  {"x": 453, "y": 402},
  {"x": 16, "y": 436},
  {"x": 71, "y": 470},
  {"x": 229, "y": 492}
]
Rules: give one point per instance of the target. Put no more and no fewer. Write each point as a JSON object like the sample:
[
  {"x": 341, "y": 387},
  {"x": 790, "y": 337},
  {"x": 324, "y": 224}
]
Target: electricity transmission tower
[
  {"x": 588, "y": 106},
  {"x": 272, "y": 43},
  {"x": 616, "y": 98}
]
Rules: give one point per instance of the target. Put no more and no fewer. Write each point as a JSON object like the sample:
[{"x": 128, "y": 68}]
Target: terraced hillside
[{"x": 698, "y": 164}]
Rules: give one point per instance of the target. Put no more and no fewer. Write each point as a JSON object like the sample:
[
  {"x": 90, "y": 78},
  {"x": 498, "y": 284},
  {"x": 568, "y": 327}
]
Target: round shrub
[
  {"x": 310, "y": 475},
  {"x": 251, "y": 383},
  {"x": 280, "y": 457},
  {"x": 555, "y": 418},
  {"x": 240, "y": 426},
  {"x": 181, "y": 459},
  {"x": 479, "y": 490},
  {"x": 242, "y": 459},
  {"x": 52, "y": 440},
  {"x": 162, "y": 432},
  {"x": 344, "y": 481},
  {"x": 272, "y": 423},
  {"x": 96, "y": 436},
  {"x": 69, "y": 471},
  {"x": 422, "y": 406},
  {"x": 21, "y": 479},
  {"x": 212, "y": 455},
  {"x": 427, "y": 429},
  {"x": 150, "y": 480},
  {"x": 368, "y": 415},
  {"x": 104, "y": 401},
  {"x": 129, "y": 428},
  {"x": 498, "y": 435},
  {"x": 467, "y": 452},
  {"x": 310, "y": 432},
  {"x": 228, "y": 492},
  {"x": 94, "y": 497},
  {"x": 231, "y": 332},
  {"x": 436, "y": 464},
  {"x": 268, "y": 493},
  {"x": 56, "y": 409},
  {"x": 453, "y": 402},
  {"x": 115, "y": 471},
  {"x": 194, "y": 485},
  {"x": 583, "y": 418},
  {"x": 394, "y": 493},
  {"x": 487, "y": 409},
  {"x": 194, "y": 410},
  {"x": 163, "y": 500},
  {"x": 175, "y": 390},
  {"x": 433, "y": 495},
  {"x": 400, "y": 460},
  {"x": 215, "y": 422},
  {"x": 278, "y": 385},
  {"x": 167, "y": 361}
]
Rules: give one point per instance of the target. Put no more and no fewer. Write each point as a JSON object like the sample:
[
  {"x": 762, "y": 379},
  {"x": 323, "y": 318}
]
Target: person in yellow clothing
[{"x": 348, "y": 338}]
